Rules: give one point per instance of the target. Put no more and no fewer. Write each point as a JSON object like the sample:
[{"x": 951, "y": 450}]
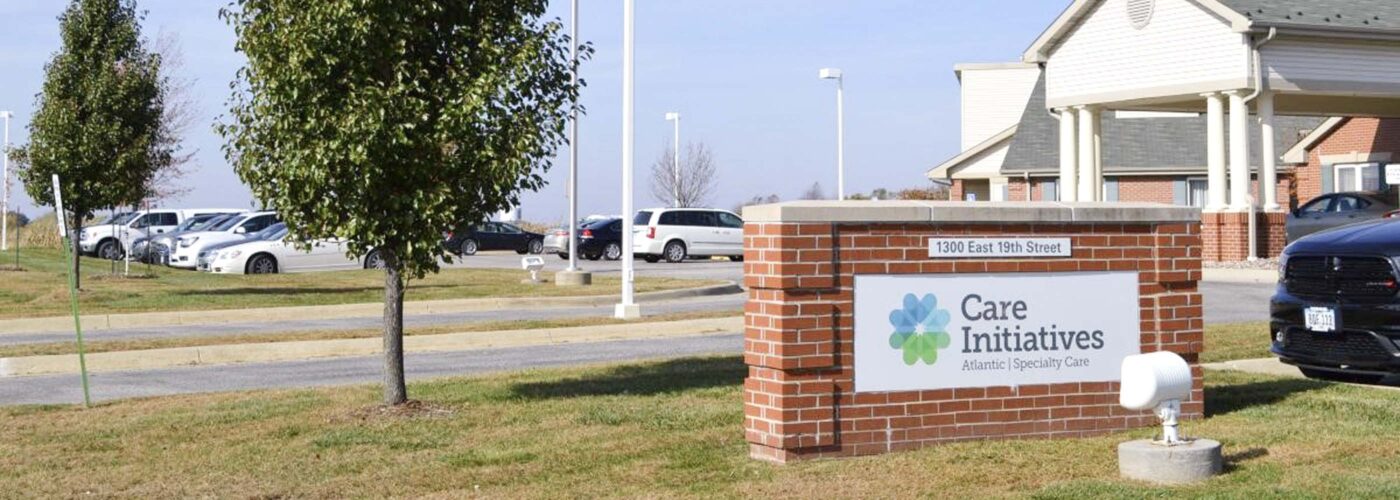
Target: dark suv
[{"x": 1335, "y": 313}]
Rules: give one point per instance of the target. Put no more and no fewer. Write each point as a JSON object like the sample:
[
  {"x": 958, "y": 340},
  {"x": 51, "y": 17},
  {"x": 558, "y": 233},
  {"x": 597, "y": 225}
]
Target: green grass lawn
[
  {"x": 660, "y": 429},
  {"x": 1236, "y": 341},
  {"x": 42, "y": 289}
]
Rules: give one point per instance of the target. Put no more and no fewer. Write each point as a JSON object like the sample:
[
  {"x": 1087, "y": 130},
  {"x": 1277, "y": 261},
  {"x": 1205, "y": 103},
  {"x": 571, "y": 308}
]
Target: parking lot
[{"x": 690, "y": 269}]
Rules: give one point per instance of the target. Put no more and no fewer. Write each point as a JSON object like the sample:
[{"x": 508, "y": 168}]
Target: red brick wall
[
  {"x": 955, "y": 192},
  {"x": 798, "y": 337},
  {"x": 1016, "y": 189},
  {"x": 1355, "y": 135},
  {"x": 1153, "y": 189}
]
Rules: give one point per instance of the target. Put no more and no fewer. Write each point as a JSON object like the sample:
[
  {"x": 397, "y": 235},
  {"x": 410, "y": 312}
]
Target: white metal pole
[
  {"x": 627, "y": 309},
  {"x": 840, "y": 138},
  {"x": 5, "y": 200},
  {"x": 573, "y": 141},
  {"x": 677, "y": 161}
]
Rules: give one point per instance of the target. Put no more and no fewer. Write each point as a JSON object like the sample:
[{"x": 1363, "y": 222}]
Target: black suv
[{"x": 1335, "y": 313}]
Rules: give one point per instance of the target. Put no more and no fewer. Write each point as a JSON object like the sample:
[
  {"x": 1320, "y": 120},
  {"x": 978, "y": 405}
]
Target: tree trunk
[{"x": 395, "y": 392}]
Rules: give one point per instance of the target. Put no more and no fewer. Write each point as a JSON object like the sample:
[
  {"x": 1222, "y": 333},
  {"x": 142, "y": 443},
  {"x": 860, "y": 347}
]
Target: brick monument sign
[{"x": 881, "y": 326}]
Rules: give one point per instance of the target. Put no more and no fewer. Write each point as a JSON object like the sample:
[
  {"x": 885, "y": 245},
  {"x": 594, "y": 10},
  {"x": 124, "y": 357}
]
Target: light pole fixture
[
  {"x": 573, "y": 140},
  {"x": 676, "y": 160},
  {"x": 835, "y": 74},
  {"x": 5, "y": 199},
  {"x": 628, "y": 308}
]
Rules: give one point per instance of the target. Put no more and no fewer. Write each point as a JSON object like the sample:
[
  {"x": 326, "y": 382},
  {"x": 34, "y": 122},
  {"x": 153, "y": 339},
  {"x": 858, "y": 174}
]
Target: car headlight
[
  {"x": 1282, "y": 268},
  {"x": 82, "y": 235},
  {"x": 184, "y": 243},
  {"x": 232, "y": 254}
]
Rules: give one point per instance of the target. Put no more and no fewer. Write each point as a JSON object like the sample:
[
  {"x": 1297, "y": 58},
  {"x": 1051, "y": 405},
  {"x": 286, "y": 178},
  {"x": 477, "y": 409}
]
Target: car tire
[
  {"x": 736, "y": 258},
  {"x": 613, "y": 251},
  {"x": 674, "y": 252},
  {"x": 1351, "y": 378},
  {"x": 374, "y": 260},
  {"x": 535, "y": 247},
  {"x": 109, "y": 249},
  {"x": 651, "y": 259},
  {"x": 563, "y": 255},
  {"x": 261, "y": 264},
  {"x": 467, "y": 247}
]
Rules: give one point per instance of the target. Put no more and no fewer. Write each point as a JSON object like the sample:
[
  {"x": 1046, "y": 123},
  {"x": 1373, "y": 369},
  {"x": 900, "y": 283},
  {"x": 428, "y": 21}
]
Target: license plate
[{"x": 1320, "y": 319}]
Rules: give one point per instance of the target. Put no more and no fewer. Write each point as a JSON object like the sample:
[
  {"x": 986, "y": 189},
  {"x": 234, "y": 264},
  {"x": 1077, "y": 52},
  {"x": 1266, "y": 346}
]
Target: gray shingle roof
[
  {"x": 1134, "y": 145},
  {"x": 1357, "y": 14}
]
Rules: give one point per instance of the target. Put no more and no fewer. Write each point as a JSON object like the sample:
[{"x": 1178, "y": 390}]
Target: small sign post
[{"x": 72, "y": 287}]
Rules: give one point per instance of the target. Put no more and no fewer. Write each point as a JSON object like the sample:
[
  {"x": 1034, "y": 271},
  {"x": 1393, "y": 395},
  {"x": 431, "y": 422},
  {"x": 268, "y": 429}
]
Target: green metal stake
[{"x": 72, "y": 289}]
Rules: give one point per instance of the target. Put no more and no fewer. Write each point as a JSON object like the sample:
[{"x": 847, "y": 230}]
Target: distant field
[
  {"x": 669, "y": 429},
  {"x": 41, "y": 289}
]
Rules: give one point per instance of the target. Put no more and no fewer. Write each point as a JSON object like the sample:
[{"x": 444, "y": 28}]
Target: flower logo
[{"x": 919, "y": 329}]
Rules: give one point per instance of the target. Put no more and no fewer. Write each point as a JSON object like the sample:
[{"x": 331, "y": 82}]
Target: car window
[
  {"x": 727, "y": 219},
  {"x": 1317, "y": 206},
  {"x": 258, "y": 223},
  {"x": 229, "y": 223},
  {"x": 616, "y": 226},
  {"x": 669, "y": 219},
  {"x": 1346, "y": 204},
  {"x": 698, "y": 218},
  {"x": 508, "y": 229},
  {"x": 643, "y": 218},
  {"x": 167, "y": 219}
]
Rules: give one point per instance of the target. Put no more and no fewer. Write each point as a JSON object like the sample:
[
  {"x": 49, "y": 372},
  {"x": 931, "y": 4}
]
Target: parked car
[
  {"x": 1334, "y": 311},
  {"x": 469, "y": 240},
  {"x": 557, "y": 241},
  {"x": 677, "y": 233},
  {"x": 207, "y": 255},
  {"x": 110, "y": 238},
  {"x": 185, "y": 253},
  {"x": 597, "y": 239},
  {"x": 272, "y": 253},
  {"x": 1337, "y": 209},
  {"x": 149, "y": 248}
]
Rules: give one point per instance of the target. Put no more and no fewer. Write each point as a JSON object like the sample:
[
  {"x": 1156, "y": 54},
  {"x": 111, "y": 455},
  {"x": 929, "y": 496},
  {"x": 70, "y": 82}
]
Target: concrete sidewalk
[
  {"x": 98, "y": 322},
  {"x": 314, "y": 349}
]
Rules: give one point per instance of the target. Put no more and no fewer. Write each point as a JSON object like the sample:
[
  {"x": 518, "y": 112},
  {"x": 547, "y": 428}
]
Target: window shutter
[
  {"x": 1327, "y": 173},
  {"x": 1179, "y": 192},
  {"x": 1110, "y": 187}
]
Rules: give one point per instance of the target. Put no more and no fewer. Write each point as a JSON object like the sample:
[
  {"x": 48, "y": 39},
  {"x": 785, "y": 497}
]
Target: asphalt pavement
[{"x": 693, "y": 269}]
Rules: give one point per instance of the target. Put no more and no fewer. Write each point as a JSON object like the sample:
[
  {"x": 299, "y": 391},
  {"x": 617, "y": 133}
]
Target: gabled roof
[
  {"x": 1341, "y": 18},
  {"x": 1133, "y": 145},
  {"x": 1298, "y": 154},
  {"x": 944, "y": 170}
]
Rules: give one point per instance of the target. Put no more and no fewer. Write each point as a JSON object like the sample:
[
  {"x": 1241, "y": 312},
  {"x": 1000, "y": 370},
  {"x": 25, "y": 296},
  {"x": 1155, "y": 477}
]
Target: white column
[
  {"x": 1088, "y": 153},
  {"x": 1239, "y": 151},
  {"x": 1096, "y": 115},
  {"x": 1215, "y": 153},
  {"x": 1268, "y": 176},
  {"x": 1069, "y": 156},
  {"x": 628, "y": 308}
]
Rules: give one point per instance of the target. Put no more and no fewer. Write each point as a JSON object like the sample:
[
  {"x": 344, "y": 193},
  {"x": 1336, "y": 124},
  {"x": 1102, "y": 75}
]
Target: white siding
[
  {"x": 983, "y": 166},
  {"x": 993, "y": 100},
  {"x": 1332, "y": 67},
  {"x": 1183, "y": 49}
]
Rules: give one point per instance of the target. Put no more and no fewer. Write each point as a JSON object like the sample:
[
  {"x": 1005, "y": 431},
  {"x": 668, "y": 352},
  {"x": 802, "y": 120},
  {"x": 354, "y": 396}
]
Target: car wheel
[
  {"x": 674, "y": 252},
  {"x": 1331, "y": 376},
  {"x": 262, "y": 264},
  {"x": 536, "y": 247},
  {"x": 374, "y": 260},
  {"x": 651, "y": 259},
  {"x": 736, "y": 258},
  {"x": 613, "y": 251},
  {"x": 109, "y": 250},
  {"x": 467, "y": 247},
  {"x": 563, "y": 255}
]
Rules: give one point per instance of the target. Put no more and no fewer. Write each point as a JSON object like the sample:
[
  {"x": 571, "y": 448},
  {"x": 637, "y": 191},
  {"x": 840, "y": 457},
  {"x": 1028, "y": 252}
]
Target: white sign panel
[
  {"x": 1392, "y": 175},
  {"x": 981, "y": 330},
  {"x": 999, "y": 247}
]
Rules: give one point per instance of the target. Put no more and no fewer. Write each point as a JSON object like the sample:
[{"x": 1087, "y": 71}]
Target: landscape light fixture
[
  {"x": 835, "y": 74},
  {"x": 1160, "y": 381},
  {"x": 676, "y": 160}
]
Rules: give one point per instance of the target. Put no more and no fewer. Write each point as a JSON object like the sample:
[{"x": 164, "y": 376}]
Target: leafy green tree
[
  {"x": 98, "y": 119},
  {"x": 387, "y": 122}
]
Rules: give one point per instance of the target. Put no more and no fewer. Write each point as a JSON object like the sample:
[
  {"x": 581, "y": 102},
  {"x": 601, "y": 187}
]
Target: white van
[
  {"x": 110, "y": 238},
  {"x": 676, "y": 233}
]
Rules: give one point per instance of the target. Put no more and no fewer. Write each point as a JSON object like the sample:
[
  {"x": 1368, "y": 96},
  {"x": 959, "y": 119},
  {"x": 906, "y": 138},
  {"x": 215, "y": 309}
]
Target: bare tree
[
  {"x": 698, "y": 176},
  {"x": 181, "y": 114},
  {"x": 814, "y": 192},
  {"x": 757, "y": 199}
]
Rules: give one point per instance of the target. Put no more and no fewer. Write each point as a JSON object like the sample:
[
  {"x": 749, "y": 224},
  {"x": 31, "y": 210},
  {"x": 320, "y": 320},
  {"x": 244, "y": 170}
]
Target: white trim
[
  {"x": 1068, "y": 21},
  {"x": 1354, "y": 157},
  {"x": 1357, "y": 166},
  {"x": 1298, "y": 154},
  {"x": 942, "y": 170}
]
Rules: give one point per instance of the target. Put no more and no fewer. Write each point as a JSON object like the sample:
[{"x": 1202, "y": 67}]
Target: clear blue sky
[{"x": 742, "y": 73}]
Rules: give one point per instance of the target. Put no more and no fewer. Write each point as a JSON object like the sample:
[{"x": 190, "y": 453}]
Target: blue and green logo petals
[{"x": 919, "y": 329}]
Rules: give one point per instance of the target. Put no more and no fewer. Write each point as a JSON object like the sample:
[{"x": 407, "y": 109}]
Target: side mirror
[{"x": 240, "y": 230}]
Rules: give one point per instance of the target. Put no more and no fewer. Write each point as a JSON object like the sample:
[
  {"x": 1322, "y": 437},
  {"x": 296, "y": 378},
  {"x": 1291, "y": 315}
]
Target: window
[
  {"x": 1357, "y": 177},
  {"x": 167, "y": 219},
  {"x": 259, "y": 223},
  {"x": 508, "y": 229},
  {"x": 730, "y": 220},
  {"x": 698, "y": 218},
  {"x": 1349, "y": 204},
  {"x": 1196, "y": 192},
  {"x": 1317, "y": 207},
  {"x": 643, "y": 218},
  {"x": 670, "y": 219}
]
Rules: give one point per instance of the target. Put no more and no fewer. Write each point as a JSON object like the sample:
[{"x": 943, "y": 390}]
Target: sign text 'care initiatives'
[
  {"x": 982, "y": 330},
  {"x": 955, "y": 248}
]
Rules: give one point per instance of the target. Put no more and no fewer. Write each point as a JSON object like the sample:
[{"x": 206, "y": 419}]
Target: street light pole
[
  {"x": 628, "y": 308},
  {"x": 676, "y": 160},
  {"x": 5, "y": 200},
  {"x": 835, "y": 74},
  {"x": 573, "y": 141}
]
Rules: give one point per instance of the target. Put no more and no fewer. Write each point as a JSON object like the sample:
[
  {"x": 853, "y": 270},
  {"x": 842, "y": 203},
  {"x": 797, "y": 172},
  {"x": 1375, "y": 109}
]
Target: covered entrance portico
[{"x": 1233, "y": 61}]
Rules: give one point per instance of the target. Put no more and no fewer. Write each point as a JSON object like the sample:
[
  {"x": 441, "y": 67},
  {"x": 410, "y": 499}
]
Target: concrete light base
[
  {"x": 1181, "y": 464},
  {"x": 627, "y": 311},
  {"x": 573, "y": 278}
]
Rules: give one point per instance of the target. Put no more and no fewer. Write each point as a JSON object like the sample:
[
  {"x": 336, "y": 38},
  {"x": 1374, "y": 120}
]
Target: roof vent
[{"x": 1140, "y": 12}]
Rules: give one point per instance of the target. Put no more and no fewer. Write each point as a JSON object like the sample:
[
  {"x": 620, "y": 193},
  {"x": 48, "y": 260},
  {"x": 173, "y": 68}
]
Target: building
[{"x": 1157, "y": 100}]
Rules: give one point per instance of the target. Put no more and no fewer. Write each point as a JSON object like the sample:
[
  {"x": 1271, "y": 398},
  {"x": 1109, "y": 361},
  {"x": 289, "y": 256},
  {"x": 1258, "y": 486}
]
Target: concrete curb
[
  {"x": 99, "y": 322},
  {"x": 1261, "y": 276},
  {"x": 313, "y": 349}
]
